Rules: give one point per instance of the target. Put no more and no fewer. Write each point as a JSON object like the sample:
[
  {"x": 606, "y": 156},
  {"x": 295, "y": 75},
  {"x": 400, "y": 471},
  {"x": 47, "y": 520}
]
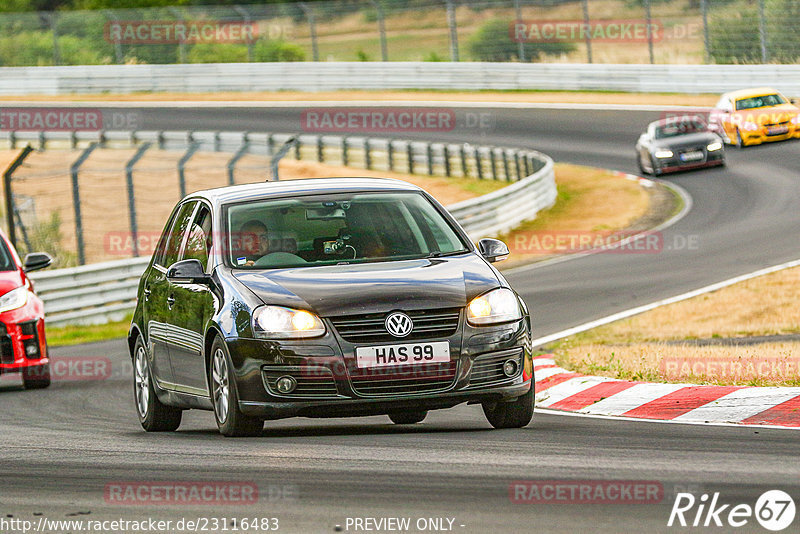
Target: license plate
[
  {"x": 691, "y": 156},
  {"x": 403, "y": 354},
  {"x": 777, "y": 130}
]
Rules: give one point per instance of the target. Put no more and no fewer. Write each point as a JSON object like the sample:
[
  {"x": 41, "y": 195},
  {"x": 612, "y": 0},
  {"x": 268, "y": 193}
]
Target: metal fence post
[
  {"x": 182, "y": 166},
  {"x": 521, "y": 44},
  {"x": 247, "y": 20},
  {"x": 706, "y": 40},
  {"x": 117, "y": 45},
  {"x": 276, "y": 159},
  {"x": 236, "y": 157},
  {"x": 762, "y": 31},
  {"x": 367, "y": 154},
  {"x": 464, "y": 166},
  {"x": 76, "y": 201},
  {"x": 452, "y": 23},
  {"x": 410, "y": 157},
  {"x": 131, "y": 196},
  {"x": 649, "y": 18},
  {"x": 390, "y": 154},
  {"x": 478, "y": 163},
  {"x": 506, "y": 171},
  {"x": 7, "y": 175},
  {"x": 312, "y": 24},
  {"x": 588, "y": 23},
  {"x": 518, "y": 165},
  {"x": 320, "y": 149},
  {"x": 381, "y": 29},
  {"x": 181, "y": 43},
  {"x": 446, "y": 153},
  {"x": 493, "y": 160},
  {"x": 50, "y": 16},
  {"x": 429, "y": 157},
  {"x": 345, "y": 154}
]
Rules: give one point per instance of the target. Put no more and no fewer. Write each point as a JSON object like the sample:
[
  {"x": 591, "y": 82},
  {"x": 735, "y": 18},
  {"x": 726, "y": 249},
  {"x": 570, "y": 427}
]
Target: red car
[{"x": 23, "y": 348}]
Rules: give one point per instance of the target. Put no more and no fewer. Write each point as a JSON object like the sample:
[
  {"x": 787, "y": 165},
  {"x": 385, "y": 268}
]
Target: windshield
[
  {"x": 760, "y": 102},
  {"x": 332, "y": 229},
  {"x": 683, "y": 127}
]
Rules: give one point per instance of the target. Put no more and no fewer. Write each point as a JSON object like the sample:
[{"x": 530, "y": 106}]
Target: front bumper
[
  {"x": 761, "y": 135},
  {"x": 331, "y": 385},
  {"x": 674, "y": 164},
  {"x": 22, "y": 339}
]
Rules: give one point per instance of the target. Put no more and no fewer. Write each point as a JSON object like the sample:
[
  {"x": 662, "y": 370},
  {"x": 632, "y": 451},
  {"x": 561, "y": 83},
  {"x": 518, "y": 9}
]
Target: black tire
[
  {"x": 739, "y": 140},
  {"x": 656, "y": 171},
  {"x": 408, "y": 418},
  {"x": 37, "y": 377},
  {"x": 230, "y": 421},
  {"x": 154, "y": 415},
  {"x": 515, "y": 414}
]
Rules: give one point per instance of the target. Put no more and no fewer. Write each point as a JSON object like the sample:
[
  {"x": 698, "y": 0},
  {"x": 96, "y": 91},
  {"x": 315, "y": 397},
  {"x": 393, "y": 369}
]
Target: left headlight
[
  {"x": 280, "y": 322},
  {"x": 16, "y": 298},
  {"x": 497, "y": 306},
  {"x": 716, "y": 145},
  {"x": 663, "y": 153}
]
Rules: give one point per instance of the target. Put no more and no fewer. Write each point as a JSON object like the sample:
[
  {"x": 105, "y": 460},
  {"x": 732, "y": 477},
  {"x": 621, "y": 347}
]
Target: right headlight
[
  {"x": 497, "y": 306},
  {"x": 16, "y": 298},
  {"x": 663, "y": 154},
  {"x": 280, "y": 322},
  {"x": 716, "y": 145}
]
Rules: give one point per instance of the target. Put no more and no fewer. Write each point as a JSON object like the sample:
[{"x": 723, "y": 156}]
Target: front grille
[
  {"x": 6, "y": 346},
  {"x": 487, "y": 370},
  {"x": 312, "y": 381},
  {"x": 370, "y": 328},
  {"x": 408, "y": 380}
]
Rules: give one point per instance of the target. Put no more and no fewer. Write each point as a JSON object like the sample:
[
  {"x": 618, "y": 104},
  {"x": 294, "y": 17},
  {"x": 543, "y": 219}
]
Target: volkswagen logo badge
[{"x": 399, "y": 324}]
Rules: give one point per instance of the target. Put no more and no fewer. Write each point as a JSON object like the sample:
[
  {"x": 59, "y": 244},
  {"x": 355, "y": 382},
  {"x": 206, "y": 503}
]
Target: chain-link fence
[
  {"x": 87, "y": 197},
  {"x": 593, "y": 31}
]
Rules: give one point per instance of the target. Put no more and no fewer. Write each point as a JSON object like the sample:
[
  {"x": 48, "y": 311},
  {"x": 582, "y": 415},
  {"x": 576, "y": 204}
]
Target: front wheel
[
  {"x": 515, "y": 414},
  {"x": 154, "y": 415},
  {"x": 230, "y": 420},
  {"x": 739, "y": 140},
  {"x": 408, "y": 418},
  {"x": 37, "y": 377}
]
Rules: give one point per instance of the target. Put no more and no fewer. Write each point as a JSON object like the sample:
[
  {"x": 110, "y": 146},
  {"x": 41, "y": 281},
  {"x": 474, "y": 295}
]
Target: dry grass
[
  {"x": 635, "y": 348},
  {"x": 591, "y": 202},
  {"x": 571, "y": 97}
]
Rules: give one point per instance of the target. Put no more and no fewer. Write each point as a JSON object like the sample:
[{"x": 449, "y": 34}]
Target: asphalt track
[{"x": 60, "y": 447}]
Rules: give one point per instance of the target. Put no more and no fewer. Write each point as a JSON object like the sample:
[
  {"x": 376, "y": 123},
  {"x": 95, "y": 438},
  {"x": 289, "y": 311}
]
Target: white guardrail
[
  {"x": 325, "y": 76},
  {"x": 103, "y": 292}
]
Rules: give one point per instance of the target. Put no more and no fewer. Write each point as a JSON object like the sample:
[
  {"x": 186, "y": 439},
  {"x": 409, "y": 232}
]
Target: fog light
[
  {"x": 286, "y": 384},
  {"x": 31, "y": 350},
  {"x": 510, "y": 368}
]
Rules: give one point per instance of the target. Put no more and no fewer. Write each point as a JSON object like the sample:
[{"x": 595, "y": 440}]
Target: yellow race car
[{"x": 754, "y": 116}]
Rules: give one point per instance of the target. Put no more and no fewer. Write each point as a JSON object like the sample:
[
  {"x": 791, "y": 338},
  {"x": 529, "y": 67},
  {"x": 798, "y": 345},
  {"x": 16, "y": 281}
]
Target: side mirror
[
  {"x": 36, "y": 260},
  {"x": 793, "y": 100},
  {"x": 493, "y": 250},
  {"x": 188, "y": 272}
]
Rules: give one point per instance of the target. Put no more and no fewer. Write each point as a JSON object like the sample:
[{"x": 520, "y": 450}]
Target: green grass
[{"x": 61, "y": 336}]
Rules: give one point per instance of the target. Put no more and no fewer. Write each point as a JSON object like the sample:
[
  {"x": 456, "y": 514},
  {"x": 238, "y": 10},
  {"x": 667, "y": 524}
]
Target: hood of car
[
  {"x": 337, "y": 290},
  {"x": 768, "y": 115},
  {"x": 700, "y": 139}
]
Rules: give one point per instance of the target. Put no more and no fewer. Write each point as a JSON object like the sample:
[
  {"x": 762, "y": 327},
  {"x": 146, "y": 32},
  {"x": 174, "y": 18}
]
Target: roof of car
[
  {"x": 679, "y": 119},
  {"x": 746, "y": 93},
  {"x": 234, "y": 193}
]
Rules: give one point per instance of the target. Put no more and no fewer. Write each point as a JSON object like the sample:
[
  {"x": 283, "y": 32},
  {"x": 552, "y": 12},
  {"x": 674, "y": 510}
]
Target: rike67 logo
[{"x": 774, "y": 510}]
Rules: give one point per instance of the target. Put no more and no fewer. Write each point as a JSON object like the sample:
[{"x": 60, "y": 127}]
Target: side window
[
  {"x": 172, "y": 245},
  {"x": 199, "y": 242}
]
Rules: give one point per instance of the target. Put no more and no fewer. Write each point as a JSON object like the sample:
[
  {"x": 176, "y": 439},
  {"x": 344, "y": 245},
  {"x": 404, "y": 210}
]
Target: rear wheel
[
  {"x": 515, "y": 414},
  {"x": 37, "y": 377},
  {"x": 408, "y": 418},
  {"x": 154, "y": 415},
  {"x": 230, "y": 420}
]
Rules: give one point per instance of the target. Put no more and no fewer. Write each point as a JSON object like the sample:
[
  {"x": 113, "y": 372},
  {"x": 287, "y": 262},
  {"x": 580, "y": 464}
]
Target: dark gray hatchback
[{"x": 325, "y": 298}]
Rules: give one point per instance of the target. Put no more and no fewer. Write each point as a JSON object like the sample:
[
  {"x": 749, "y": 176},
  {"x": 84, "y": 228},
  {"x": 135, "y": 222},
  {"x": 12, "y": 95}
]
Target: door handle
[
  {"x": 146, "y": 293},
  {"x": 170, "y": 301}
]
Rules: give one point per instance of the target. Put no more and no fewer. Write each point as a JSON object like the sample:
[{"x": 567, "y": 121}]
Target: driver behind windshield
[{"x": 254, "y": 247}]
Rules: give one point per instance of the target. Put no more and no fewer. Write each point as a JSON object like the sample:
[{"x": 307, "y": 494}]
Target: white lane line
[
  {"x": 653, "y": 305},
  {"x": 631, "y": 398},
  {"x": 567, "y": 389},
  {"x": 740, "y": 404},
  {"x": 548, "y": 372}
]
